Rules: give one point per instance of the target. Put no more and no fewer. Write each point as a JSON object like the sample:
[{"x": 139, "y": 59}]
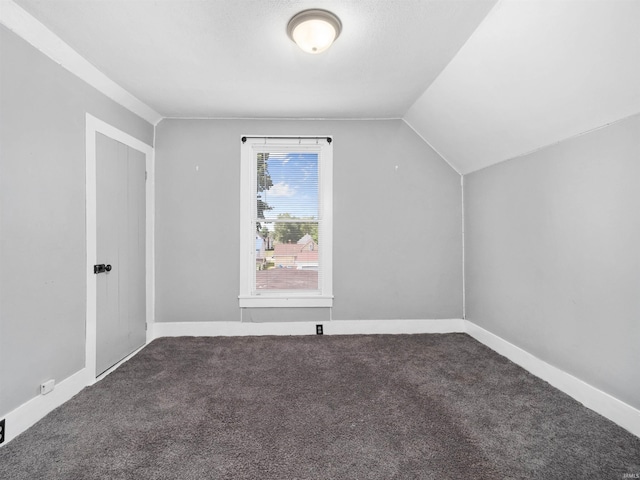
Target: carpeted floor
[{"x": 321, "y": 407}]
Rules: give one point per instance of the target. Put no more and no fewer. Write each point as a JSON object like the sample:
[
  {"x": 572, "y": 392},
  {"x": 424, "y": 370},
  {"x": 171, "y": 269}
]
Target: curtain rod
[{"x": 329, "y": 140}]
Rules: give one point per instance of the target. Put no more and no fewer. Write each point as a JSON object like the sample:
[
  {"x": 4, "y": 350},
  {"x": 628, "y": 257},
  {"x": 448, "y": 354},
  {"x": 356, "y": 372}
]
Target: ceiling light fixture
[{"x": 314, "y": 30}]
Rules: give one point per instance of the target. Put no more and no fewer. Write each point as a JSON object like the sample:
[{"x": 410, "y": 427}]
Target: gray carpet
[{"x": 321, "y": 407}]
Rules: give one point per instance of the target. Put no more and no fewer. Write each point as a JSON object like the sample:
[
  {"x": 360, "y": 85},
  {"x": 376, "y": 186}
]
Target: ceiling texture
[{"x": 481, "y": 81}]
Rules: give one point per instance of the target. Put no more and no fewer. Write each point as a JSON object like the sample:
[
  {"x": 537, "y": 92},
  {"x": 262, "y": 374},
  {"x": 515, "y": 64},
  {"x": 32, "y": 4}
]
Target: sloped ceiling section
[
  {"x": 233, "y": 58},
  {"x": 480, "y": 81},
  {"x": 534, "y": 73}
]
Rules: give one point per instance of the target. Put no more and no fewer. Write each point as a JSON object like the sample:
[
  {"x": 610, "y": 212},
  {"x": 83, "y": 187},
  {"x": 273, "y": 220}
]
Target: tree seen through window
[{"x": 288, "y": 220}]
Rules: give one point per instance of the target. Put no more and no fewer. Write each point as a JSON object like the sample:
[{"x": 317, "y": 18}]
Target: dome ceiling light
[{"x": 314, "y": 30}]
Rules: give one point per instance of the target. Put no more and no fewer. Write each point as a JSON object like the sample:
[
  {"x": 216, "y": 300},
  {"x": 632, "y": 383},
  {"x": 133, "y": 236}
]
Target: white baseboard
[
  {"x": 35, "y": 409},
  {"x": 610, "y": 407},
  {"x": 394, "y": 327},
  {"x": 27, "y": 414},
  {"x": 606, "y": 405},
  {"x": 334, "y": 327}
]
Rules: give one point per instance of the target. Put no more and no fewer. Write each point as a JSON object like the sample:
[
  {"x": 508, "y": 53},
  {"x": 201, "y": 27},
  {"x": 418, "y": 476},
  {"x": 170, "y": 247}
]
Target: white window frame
[{"x": 251, "y": 145}]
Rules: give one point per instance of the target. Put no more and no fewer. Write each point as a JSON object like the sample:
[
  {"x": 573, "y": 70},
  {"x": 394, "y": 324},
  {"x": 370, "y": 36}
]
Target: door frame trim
[{"x": 93, "y": 126}]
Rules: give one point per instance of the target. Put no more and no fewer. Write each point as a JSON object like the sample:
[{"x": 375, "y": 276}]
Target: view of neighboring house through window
[
  {"x": 288, "y": 222},
  {"x": 287, "y": 214}
]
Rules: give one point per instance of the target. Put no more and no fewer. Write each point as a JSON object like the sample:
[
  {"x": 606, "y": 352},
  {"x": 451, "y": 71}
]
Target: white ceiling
[
  {"x": 534, "y": 73},
  {"x": 233, "y": 58},
  {"x": 481, "y": 82}
]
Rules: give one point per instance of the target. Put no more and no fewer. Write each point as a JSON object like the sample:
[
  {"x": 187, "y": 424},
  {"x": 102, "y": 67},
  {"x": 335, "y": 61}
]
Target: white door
[{"x": 120, "y": 196}]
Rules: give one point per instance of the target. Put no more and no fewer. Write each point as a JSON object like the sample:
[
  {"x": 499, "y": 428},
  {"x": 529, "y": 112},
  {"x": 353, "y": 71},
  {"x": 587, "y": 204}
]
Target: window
[{"x": 286, "y": 222}]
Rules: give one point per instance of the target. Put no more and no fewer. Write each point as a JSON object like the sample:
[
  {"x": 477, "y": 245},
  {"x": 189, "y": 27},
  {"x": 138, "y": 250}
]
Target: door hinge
[{"x": 146, "y": 175}]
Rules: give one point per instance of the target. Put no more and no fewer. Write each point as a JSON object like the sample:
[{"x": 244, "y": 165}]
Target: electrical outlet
[
  {"x": 318, "y": 329},
  {"x": 2, "y": 431},
  {"x": 47, "y": 386}
]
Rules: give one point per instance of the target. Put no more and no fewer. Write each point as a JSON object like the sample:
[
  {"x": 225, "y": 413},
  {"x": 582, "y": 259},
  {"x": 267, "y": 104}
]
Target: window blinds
[{"x": 287, "y": 217}]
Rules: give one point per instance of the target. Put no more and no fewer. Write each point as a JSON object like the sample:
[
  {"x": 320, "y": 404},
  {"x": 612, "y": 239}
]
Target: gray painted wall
[
  {"x": 42, "y": 216},
  {"x": 553, "y": 255},
  {"x": 397, "y": 232}
]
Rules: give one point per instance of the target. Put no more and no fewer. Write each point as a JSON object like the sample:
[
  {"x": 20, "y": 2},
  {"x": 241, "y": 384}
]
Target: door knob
[{"x": 101, "y": 268}]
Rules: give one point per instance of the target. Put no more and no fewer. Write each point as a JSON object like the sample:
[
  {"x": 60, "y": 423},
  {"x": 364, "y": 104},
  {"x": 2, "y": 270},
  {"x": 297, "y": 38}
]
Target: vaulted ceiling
[{"x": 482, "y": 81}]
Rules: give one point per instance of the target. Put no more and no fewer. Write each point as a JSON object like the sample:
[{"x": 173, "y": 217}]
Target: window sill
[{"x": 285, "y": 301}]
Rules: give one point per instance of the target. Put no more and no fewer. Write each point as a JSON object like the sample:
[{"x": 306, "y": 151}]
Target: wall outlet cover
[{"x": 47, "y": 386}]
